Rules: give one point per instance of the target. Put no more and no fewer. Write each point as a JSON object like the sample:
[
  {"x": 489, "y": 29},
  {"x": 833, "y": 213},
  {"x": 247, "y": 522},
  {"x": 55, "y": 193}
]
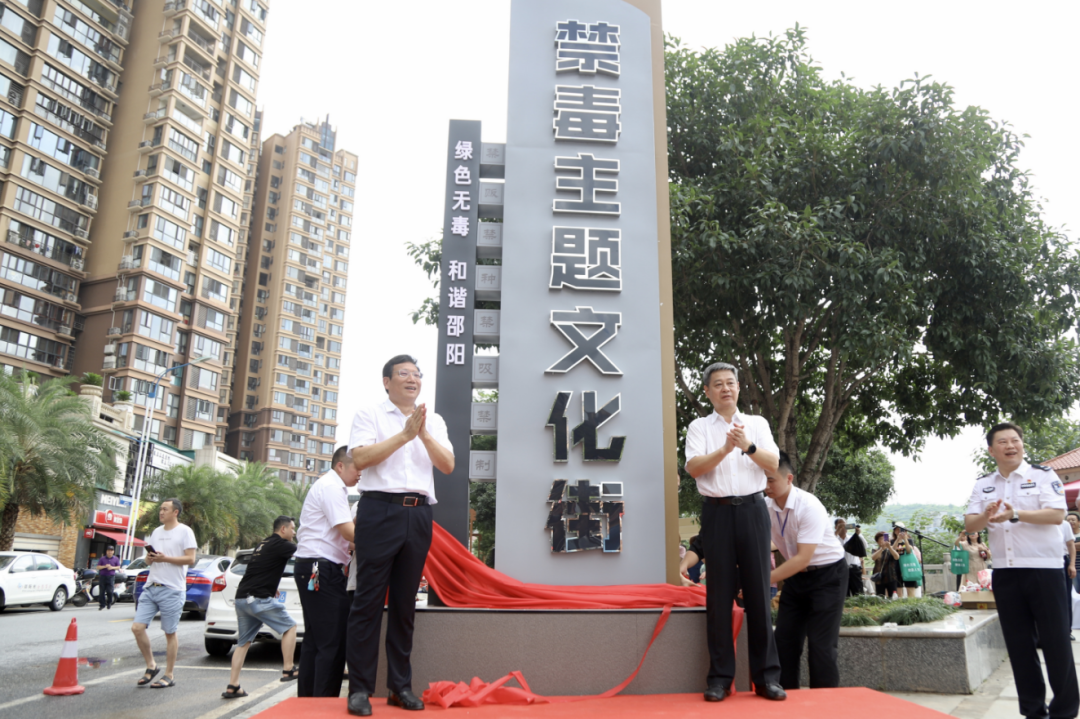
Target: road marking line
[
  {"x": 233, "y": 704},
  {"x": 272, "y": 700},
  {"x": 226, "y": 669},
  {"x": 99, "y": 680}
]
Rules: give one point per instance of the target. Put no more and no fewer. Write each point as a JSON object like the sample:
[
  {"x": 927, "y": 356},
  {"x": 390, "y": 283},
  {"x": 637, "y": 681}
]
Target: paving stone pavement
[{"x": 995, "y": 698}]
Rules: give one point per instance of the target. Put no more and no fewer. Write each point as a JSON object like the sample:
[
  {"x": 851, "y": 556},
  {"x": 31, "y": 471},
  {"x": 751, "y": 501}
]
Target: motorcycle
[{"x": 85, "y": 583}]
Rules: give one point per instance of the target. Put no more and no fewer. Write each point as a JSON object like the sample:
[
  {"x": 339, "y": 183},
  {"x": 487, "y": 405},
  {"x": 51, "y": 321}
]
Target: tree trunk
[{"x": 7, "y": 526}]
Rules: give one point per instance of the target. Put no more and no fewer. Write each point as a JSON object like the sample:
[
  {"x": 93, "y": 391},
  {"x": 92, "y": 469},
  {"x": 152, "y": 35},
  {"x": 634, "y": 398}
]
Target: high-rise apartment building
[
  {"x": 163, "y": 280},
  {"x": 60, "y": 65},
  {"x": 288, "y": 371}
]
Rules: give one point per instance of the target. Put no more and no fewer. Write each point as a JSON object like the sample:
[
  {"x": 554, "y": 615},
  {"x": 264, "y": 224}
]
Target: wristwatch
[
  {"x": 1016, "y": 516},
  {"x": 752, "y": 449}
]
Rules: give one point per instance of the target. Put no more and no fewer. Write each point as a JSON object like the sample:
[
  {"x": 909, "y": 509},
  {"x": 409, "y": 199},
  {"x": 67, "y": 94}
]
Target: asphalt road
[{"x": 31, "y": 640}]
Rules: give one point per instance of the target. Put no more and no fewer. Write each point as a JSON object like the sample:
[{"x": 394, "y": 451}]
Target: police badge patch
[
  {"x": 988, "y": 489},
  {"x": 1056, "y": 484}
]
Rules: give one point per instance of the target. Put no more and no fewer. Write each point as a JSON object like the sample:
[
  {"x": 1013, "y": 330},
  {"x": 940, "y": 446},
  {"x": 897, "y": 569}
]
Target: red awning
[{"x": 121, "y": 538}]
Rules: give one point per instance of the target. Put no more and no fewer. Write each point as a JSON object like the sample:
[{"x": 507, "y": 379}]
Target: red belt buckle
[{"x": 410, "y": 501}]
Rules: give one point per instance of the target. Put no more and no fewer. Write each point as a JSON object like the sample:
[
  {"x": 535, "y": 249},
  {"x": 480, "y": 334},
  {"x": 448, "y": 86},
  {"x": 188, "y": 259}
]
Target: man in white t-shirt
[
  {"x": 815, "y": 576},
  {"x": 170, "y": 549}
]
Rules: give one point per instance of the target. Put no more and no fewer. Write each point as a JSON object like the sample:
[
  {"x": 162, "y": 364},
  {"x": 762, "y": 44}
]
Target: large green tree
[
  {"x": 52, "y": 456},
  {"x": 259, "y": 497},
  {"x": 875, "y": 255}
]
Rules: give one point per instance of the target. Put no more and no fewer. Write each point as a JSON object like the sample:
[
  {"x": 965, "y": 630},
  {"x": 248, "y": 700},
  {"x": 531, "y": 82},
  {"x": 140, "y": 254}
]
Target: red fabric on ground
[
  {"x": 802, "y": 703},
  {"x": 462, "y": 580}
]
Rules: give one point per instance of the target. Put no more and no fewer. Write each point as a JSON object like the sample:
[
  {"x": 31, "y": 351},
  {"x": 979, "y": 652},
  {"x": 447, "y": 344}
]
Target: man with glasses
[
  {"x": 396, "y": 444},
  {"x": 728, "y": 453}
]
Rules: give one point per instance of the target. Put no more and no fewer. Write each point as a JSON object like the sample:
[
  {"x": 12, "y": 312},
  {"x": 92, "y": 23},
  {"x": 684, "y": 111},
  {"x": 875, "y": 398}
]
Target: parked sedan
[
  {"x": 200, "y": 577},
  {"x": 126, "y": 592},
  {"x": 29, "y": 578},
  {"x": 221, "y": 632}
]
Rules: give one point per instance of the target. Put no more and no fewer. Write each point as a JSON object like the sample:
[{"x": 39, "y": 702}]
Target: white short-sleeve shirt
[
  {"x": 737, "y": 475},
  {"x": 1021, "y": 545},
  {"x": 410, "y": 468},
  {"x": 803, "y": 520},
  {"x": 172, "y": 543},
  {"x": 326, "y": 506}
]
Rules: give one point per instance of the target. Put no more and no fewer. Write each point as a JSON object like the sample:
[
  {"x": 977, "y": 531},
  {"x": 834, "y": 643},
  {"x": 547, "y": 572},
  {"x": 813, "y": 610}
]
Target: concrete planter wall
[{"x": 951, "y": 656}]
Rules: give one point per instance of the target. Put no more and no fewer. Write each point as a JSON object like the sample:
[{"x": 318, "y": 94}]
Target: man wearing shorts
[
  {"x": 173, "y": 548},
  {"x": 257, "y": 603}
]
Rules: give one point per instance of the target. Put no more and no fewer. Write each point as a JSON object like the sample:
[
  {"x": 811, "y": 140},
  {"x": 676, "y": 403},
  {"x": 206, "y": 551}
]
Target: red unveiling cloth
[{"x": 462, "y": 580}]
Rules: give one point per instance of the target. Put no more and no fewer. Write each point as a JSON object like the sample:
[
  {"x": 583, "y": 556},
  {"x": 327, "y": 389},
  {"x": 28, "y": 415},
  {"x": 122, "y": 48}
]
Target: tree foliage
[
  {"x": 870, "y": 253},
  {"x": 52, "y": 456},
  {"x": 856, "y": 484},
  {"x": 224, "y": 509}
]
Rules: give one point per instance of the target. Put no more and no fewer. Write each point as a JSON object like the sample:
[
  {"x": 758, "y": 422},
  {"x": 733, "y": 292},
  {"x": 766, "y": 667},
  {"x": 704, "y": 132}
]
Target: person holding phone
[
  {"x": 886, "y": 566},
  {"x": 257, "y": 603},
  {"x": 170, "y": 550}
]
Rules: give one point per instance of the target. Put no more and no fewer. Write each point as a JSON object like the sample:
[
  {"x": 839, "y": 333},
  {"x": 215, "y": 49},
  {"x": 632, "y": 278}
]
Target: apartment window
[
  {"x": 164, "y": 263},
  {"x": 236, "y": 101},
  {"x": 206, "y": 347},
  {"x": 174, "y": 203},
  {"x": 225, "y": 206},
  {"x": 215, "y": 320},
  {"x": 228, "y": 178},
  {"x": 170, "y": 232},
  {"x": 214, "y": 290},
  {"x": 160, "y": 295},
  {"x": 222, "y": 233},
  {"x": 246, "y": 54},
  {"x": 232, "y": 153},
  {"x": 218, "y": 260},
  {"x": 181, "y": 143},
  {"x": 32, "y": 347},
  {"x": 244, "y": 78}
]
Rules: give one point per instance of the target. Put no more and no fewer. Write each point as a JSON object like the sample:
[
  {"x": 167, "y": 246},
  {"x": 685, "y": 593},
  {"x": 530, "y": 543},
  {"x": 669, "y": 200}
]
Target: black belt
[
  {"x": 405, "y": 499},
  {"x": 745, "y": 499},
  {"x": 312, "y": 560}
]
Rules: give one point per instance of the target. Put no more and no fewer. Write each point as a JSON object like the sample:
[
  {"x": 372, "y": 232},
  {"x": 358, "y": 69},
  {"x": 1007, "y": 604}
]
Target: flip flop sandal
[
  {"x": 163, "y": 683},
  {"x": 236, "y": 692},
  {"x": 148, "y": 677},
  {"x": 290, "y": 675}
]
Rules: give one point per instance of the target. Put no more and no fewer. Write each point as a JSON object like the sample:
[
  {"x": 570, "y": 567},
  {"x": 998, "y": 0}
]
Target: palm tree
[
  {"x": 207, "y": 498},
  {"x": 52, "y": 455},
  {"x": 259, "y": 498}
]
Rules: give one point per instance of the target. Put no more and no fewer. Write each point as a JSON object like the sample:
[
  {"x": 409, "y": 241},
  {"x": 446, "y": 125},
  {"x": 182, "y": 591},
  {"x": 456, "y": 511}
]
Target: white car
[
  {"x": 221, "y": 631},
  {"x": 30, "y": 578}
]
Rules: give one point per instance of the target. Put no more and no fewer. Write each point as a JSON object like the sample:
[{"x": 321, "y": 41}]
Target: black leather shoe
[
  {"x": 359, "y": 704},
  {"x": 405, "y": 699},
  {"x": 717, "y": 692},
  {"x": 771, "y": 691}
]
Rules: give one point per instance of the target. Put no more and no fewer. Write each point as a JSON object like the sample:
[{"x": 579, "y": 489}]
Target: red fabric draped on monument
[{"x": 462, "y": 580}]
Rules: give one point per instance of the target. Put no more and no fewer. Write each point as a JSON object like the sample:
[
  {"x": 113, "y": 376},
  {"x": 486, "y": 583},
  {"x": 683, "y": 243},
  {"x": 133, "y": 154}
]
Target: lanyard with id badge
[{"x": 793, "y": 549}]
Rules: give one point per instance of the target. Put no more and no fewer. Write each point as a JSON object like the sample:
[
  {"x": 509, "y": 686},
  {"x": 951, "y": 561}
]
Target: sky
[{"x": 390, "y": 81}]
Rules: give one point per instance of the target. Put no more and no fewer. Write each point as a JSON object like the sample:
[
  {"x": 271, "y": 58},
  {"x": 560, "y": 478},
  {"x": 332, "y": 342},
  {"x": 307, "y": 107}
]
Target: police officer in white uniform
[
  {"x": 727, "y": 453},
  {"x": 815, "y": 575},
  {"x": 1023, "y": 504}
]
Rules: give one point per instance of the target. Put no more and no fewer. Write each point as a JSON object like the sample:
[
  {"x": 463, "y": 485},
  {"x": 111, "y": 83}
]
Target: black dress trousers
[
  {"x": 322, "y": 660},
  {"x": 392, "y": 543},
  {"x": 1032, "y": 609},
  {"x": 735, "y": 539},
  {"x": 811, "y": 607}
]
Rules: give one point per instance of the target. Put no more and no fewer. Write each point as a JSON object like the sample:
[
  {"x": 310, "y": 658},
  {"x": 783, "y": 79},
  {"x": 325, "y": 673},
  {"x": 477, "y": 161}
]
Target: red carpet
[{"x": 802, "y": 704}]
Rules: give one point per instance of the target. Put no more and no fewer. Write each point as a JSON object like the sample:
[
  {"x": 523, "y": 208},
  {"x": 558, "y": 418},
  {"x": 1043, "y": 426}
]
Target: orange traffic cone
[{"x": 66, "y": 680}]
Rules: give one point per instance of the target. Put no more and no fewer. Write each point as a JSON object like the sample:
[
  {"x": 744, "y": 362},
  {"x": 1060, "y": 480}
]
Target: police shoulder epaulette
[
  {"x": 1039, "y": 466},
  {"x": 984, "y": 476}
]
